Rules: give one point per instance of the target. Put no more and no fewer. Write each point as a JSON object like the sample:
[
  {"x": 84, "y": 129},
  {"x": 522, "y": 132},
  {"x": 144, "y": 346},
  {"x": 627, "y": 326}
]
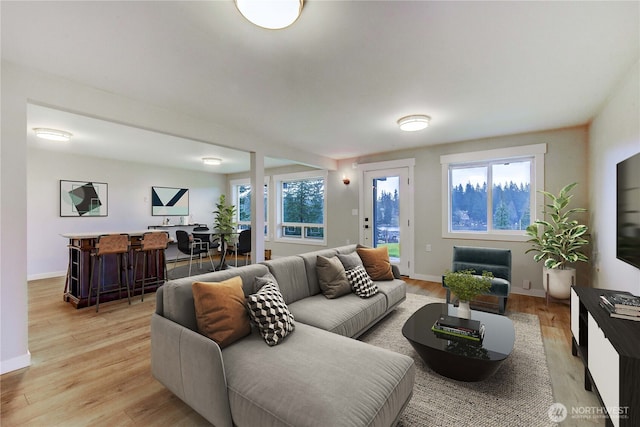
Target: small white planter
[
  {"x": 558, "y": 282},
  {"x": 464, "y": 311}
]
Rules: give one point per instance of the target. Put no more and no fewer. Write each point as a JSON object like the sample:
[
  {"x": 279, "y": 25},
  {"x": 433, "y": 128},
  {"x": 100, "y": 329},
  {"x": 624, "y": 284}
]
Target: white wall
[
  {"x": 129, "y": 201},
  {"x": 14, "y": 351},
  {"x": 565, "y": 162},
  {"x": 614, "y": 135},
  {"x": 21, "y": 86}
]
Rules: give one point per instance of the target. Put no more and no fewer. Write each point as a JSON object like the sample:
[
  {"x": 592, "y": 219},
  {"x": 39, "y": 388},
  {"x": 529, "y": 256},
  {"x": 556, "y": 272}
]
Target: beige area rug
[{"x": 519, "y": 394}]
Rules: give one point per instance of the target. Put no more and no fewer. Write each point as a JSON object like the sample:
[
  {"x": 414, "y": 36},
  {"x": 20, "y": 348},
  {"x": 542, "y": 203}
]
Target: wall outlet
[
  {"x": 428, "y": 248},
  {"x": 526, "y": 284},
  {"x": 354, "y": 212},
  {"x": 348, "y": 241}
]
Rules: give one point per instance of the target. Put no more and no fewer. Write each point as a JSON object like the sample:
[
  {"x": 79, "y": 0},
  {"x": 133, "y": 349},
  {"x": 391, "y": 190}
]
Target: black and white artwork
[
  {"x": 83, "y": 198},
  {"x": 167, "y": 201}
]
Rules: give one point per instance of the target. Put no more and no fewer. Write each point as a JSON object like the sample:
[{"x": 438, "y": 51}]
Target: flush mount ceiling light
[
  {"x": 414, "y": 123},
  {"x": 53, "y": 134},
  {"x": 212, "y": 161},
  {"x": 270, "y": 14}
]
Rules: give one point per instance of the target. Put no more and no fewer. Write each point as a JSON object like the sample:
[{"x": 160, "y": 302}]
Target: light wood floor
[{"x": 93, "y": 368}]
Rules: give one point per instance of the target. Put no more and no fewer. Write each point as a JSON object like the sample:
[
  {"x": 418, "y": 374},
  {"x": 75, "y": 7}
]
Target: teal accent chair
[{"x": 497, "y": 261}]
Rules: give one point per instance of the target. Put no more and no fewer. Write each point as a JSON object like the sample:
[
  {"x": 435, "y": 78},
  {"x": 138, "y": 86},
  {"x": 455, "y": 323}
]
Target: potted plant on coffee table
[
  {"x": 466, "y": 286},
  {"x": 558, "y": 242}
]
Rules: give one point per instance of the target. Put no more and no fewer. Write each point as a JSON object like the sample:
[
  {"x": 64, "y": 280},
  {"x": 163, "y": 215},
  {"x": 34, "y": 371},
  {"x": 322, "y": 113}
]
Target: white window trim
[
  {"x": 535, "y": 151},
  {"x": 277, "y": 236},
  {"x": 247, "y": 181}
]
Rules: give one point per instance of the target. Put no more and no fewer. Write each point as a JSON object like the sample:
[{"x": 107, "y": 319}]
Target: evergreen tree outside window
[
  {"x": 301, "y": 207},
  {"x": 491, "y": 197},
  {"x": 241, "y": 190}
]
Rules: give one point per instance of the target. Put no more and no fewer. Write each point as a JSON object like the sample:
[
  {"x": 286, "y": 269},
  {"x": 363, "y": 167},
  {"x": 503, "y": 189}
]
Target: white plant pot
[
  {"x": 558, "y": 282},
  {"x": 464, "y": 311}
]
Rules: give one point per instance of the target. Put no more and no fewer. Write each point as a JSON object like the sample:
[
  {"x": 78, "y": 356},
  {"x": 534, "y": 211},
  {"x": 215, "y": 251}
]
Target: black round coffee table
[{"x": 460, "y": 358}]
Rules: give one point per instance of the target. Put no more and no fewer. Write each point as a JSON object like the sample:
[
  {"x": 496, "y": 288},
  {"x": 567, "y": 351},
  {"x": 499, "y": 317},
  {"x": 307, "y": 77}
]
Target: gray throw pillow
[
  {"x": 332, "y": 277},
  {"x": 260, "y": 281},
  {"x": 350, "y": 261}
]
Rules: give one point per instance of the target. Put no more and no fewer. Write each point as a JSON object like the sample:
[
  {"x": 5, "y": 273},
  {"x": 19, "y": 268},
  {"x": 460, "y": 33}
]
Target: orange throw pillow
[
  {"x": 376, "y": 262},
  {"x": 220, "y": 310}
]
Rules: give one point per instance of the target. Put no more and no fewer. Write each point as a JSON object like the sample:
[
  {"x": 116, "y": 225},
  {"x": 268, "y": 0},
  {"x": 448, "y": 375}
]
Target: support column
[{"x": 257, "y": 207}]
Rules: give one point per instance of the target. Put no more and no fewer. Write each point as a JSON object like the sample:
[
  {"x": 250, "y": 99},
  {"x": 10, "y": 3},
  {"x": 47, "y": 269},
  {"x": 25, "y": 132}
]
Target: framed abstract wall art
[
  {"x": 83, "y": 198},
  {"x": 167, "y": 201}
]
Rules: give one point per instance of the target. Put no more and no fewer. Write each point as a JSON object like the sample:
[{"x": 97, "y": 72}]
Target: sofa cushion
[
  {"x": 376, "y": 262},
  {"x": 394, "y": 290},
  {"x": 361, "y": 283},
  {"x": 310, "y": 260},
  {"x": 291, "y": 275},
  {"x": 326, "y": 380},
  {"x": 270, "y": 314},
  {"x": 177, "y": 297},
  {"x": 332, "y": 277},
  {"x": 220, "y": 310},
  {"x": 350, "y": 261},
  {"x": 347, "y": 249},
  {"x": 348, "y": 315}
]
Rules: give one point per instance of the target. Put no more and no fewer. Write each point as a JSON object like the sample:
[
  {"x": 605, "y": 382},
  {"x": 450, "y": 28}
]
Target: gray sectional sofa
[{"x": 318, "y": 376}]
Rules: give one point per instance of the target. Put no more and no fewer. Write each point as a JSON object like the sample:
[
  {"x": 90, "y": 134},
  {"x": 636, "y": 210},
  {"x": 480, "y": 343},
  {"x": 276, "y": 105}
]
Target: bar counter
[{"x": 79, "y": 269}]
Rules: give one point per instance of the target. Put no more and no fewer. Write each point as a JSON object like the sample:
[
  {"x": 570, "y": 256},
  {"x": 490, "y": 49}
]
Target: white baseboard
[
  {"x": 15, "y": 363},
  {"x": 47, "y": 275},
  {"x": 531, "y": 292},
  {"x": 427, "y": 277}
]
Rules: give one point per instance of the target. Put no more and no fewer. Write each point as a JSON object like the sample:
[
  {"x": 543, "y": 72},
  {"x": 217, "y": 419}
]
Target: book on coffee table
[
  {"x": 458, "y": 327},
  {"x": 459, "y": 323}
]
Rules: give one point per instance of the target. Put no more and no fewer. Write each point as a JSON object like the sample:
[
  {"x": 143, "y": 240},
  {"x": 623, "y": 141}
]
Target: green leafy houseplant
[
  {"x": 559, "y": 241},
  {"x": 225, "y": 217},
  {"x": 466, "y": 285}
]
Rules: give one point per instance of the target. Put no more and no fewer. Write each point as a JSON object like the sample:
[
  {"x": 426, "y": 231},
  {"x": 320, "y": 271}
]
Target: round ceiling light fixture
[
  {"x": 270, "y": 14},
  {"x": 53, "y": 134},
  {"x": 414, "y": 122},
  {"x": 211, "y": 161}
]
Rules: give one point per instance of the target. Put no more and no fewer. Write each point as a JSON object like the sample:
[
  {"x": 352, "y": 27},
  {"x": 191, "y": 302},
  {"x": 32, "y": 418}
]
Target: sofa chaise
[{"x": 317, "y": 376}]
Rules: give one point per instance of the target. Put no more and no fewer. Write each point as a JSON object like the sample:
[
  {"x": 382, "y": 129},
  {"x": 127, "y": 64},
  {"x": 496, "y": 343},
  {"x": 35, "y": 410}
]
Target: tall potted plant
[
  {"x": 224, "y": 221},
  {"x": 558, "y": 242}
]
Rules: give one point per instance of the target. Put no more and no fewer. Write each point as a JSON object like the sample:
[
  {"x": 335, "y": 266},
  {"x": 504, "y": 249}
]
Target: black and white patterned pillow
[
  {"x": 361, "y": 283},
  {"x": 270, "y": 314}
]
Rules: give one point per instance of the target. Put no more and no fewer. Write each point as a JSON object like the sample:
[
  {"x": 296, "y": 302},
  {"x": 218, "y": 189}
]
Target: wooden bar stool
[
  {"x": 154, "y": 243},
  {"x": 110, "y": 244}
]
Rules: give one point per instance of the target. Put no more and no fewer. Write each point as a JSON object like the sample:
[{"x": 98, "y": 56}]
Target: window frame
[
  {"x": 234, "y": 184},
  {"x": 535, "y": 153},
  {"x": 278, "y": 180}
]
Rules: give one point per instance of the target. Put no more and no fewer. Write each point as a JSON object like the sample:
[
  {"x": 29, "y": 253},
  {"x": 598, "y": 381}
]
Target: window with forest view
[
  {"x": 301, "y": 207},
  {"x": 506, "y": 207},
  {"x": 242, "y": 200},
  {"x": 491, "y": 195}
]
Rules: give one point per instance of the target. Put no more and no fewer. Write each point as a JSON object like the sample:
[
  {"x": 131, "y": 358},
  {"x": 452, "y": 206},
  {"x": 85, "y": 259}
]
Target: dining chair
[{"x": 192, "y": 247}]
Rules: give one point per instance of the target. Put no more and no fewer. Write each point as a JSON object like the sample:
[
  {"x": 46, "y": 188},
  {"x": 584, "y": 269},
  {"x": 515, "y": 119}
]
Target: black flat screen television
[{"x": 628, "y": 210}]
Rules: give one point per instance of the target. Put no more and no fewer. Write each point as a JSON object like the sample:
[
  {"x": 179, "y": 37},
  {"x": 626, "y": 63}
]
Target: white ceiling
[
  {"x": 99, "y": 138},
  {"x": 335, "y": 82}
]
